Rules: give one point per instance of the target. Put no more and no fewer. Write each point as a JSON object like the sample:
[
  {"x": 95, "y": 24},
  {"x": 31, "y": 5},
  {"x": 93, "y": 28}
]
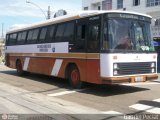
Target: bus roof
[{"x": 69, "y": 17}]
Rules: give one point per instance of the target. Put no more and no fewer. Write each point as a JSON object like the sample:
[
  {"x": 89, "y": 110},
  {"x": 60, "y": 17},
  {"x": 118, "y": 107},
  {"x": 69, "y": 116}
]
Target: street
[{"x": 38, "y": 94}]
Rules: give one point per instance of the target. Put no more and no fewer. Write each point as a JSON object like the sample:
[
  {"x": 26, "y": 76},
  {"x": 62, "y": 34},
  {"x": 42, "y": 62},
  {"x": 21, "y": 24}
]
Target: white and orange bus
[{"x": 101, "y": 47}]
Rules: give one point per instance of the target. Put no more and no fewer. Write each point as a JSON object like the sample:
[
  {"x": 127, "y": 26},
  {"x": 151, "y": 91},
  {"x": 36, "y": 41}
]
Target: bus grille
[{"x": 135, "y": 68}]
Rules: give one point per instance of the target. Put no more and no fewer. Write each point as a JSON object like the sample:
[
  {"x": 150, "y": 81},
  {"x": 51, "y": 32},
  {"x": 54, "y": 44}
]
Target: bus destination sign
[{"x": 129, "y": 16}]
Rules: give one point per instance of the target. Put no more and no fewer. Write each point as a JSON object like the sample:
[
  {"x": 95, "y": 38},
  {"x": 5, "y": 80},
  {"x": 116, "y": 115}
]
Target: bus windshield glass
[{"x": 129, "y": 35}]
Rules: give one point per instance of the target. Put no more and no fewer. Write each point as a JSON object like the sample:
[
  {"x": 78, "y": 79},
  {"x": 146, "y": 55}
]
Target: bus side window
[
  {"x": 12, "y": 39},
  {"x": 7, "y": 38},
  {"x": 50, "y": 33},
  {"x": 80, "y": 38},
  {"x": 69, "y": 32},
  {"x": 35, "y": 35},
  {"x": 29, "y": 37},
  {"x": 32, "y": 36},
  {"x": 94, "y": 38},
  {"x": 42, "y": 35},
  {"x": 59, "y": 32},
  {"x": 21, "y": 38}
]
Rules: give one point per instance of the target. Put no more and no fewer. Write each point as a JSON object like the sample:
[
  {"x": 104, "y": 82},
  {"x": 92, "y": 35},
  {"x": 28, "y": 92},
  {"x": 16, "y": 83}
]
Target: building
[{"x": 150, "y": 7}]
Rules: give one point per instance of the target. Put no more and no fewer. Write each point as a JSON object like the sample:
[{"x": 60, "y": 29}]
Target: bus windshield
[{"x": 129, "y": 34}]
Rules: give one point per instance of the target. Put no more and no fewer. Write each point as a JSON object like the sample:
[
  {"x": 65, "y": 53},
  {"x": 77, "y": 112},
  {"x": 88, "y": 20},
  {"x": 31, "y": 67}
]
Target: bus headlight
[
  {"x": 115, "y": 66},
  {"x": 152, "y": 65},
  {"x": 153, "y": 70},
  {"x": 115, "y": 72}
]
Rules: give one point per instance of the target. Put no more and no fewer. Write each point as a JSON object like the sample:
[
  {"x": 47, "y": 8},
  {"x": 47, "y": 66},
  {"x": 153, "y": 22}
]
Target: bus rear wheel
[
  {"x": 74, "y": 77},
  {"x": 19, "y": 68}
]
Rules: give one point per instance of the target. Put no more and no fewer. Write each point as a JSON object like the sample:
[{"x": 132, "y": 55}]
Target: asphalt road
[{"x": 38, "y": 94}]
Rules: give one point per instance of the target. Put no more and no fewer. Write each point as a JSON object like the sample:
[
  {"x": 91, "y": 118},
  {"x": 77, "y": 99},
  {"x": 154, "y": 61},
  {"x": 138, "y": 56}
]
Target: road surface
[{"x": 37, "y": 94}]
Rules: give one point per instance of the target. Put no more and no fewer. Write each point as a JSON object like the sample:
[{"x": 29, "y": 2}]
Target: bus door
[
  {"x": 81, "y": 36},
  {"x": 93, "y": 49},
  {"x": 80, "y": 46}
]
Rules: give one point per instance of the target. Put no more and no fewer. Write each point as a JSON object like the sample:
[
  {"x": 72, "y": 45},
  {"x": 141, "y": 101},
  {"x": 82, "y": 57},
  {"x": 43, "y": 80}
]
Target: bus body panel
[
  {"x": 40, "y": 63},
  {"x": 128, "y": 73},
  {"x": 94, "y": 67},
  {"x": 107, "y": 61},
  {"x": 39, "y": 48}
]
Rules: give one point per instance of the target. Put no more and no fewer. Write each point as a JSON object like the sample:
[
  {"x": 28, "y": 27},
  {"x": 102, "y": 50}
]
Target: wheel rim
[{"x": 75, "y": 77}]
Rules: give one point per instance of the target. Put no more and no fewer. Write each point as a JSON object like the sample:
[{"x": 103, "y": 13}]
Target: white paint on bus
[
  {"x": 26, "y": 63},
  {"x": 56, "y": 67}
]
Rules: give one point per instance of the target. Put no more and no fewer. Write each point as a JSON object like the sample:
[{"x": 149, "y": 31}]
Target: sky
[{"x": 18, "y": 12}]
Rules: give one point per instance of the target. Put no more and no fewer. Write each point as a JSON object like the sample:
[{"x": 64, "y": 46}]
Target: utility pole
[{"x": 49, "y": 13}]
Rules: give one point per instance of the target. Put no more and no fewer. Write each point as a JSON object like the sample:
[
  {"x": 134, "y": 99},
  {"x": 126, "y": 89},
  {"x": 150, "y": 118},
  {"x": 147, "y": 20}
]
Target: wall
[
  {"x": 128, "y": 4},
  {"x": 154, "y": 11}
]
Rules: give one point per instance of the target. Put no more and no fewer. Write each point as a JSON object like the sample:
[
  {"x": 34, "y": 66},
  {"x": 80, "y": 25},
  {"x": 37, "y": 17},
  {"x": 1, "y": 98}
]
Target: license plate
[{"x": 138, "y": 79}]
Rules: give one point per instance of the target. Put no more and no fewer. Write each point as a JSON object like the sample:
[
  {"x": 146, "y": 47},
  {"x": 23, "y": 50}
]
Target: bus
[
  {"x": 100, "y": 47},
  {"x": 156, "y": 42}
]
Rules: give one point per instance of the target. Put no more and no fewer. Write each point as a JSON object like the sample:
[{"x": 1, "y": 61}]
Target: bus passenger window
[
  {"x": 43, "y": 35},
  {"x": 69, "y": 32},
  {"x": 35, "y": 35},
  {"x": 50, "y": 33},
  {"x": 59, "y": 32},
  {"x": 7, "y": 38},
  {"x": 12, "y": 39},
  {"x": 29, "y": 38},
  {"x": 94, "y": 38},
  {"x": 32, "y": 36},
  {"x": 21, "y": 38}
]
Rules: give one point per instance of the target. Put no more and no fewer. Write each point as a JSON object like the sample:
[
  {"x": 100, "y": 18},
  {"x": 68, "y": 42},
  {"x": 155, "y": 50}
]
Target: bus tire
[
  {"x": 19, "y": 68},
  {"x": 74, "y": 77}
]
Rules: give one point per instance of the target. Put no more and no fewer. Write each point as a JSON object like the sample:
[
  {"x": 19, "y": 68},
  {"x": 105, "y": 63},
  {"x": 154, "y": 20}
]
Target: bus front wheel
[{"x": 74, "y": 77}]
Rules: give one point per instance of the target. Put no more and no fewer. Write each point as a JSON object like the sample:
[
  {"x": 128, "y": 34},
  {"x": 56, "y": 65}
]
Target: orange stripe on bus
[{"x": 59, "y": 55}]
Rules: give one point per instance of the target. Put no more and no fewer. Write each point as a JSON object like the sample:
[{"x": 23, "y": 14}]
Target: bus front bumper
[{"x": 129, "y": 79}]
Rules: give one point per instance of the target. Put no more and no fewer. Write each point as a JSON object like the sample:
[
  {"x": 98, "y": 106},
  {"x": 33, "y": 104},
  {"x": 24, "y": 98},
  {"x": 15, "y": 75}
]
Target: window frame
[
  {"x": 11, "y": 39},
  {"x": 70, "y": 39},
  {"x": 60, "y": 39},
  {"x": 134, "y": 3},
  {"x": 150, "y": 3},
  {"x": 25, "y": 36},
  {"x": 50, "y": 27},
  {"x": 119, "y": 4},
  {"x": 85, "y": 8},
  {"x": 31, "y": 40},
  {"x": 107, "y": 5},
  {"x": 21, "y": 42},
  {"x": 44, "y": 39}
]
